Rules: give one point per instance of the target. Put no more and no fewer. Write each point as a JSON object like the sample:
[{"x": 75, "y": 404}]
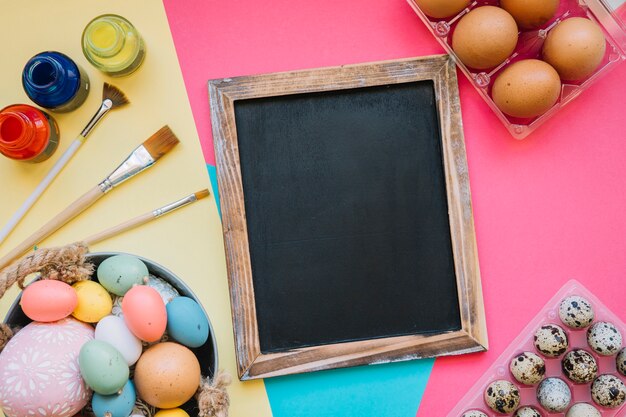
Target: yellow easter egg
[
  {"x": 172, "y": 412},
  {"x": 94, "y": 302}
]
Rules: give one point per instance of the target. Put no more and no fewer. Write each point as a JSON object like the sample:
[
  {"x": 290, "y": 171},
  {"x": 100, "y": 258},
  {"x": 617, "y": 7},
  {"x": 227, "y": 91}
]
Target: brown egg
[
  {"x": 485, "y": 37},
  {"x": 526, "y": 89},
  {"x": 440, "y": 9},
  {"x": 167, "y": 375},
  {"x": 531, "y": 14},
  {"x": 575, "y": 48}
]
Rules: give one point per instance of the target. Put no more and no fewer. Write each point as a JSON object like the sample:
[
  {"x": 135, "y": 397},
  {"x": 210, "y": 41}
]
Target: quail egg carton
[
  {"x": 529, "y": 46},
  {"x": 549, "y": 314}
]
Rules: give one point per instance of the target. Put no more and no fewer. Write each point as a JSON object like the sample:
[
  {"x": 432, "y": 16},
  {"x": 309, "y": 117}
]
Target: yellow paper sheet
[{"x": 188, "y": 242}]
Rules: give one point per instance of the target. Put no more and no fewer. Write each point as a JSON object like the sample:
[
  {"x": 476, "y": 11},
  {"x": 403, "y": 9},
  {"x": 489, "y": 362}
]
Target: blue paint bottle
[{"x": 54, "y": 81}]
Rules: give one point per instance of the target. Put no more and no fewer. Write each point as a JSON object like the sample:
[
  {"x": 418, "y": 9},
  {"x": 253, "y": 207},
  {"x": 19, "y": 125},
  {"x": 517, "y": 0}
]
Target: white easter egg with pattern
[{"x": 39, "y": 373}]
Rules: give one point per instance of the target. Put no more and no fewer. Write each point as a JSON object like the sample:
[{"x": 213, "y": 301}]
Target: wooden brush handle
[
  {"x": 120, "y": 228},
  {"x": 53, "y": 225}
]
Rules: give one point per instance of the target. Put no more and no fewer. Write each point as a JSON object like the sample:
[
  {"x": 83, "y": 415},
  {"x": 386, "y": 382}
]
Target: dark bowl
[{"x": 206, "y": 354}]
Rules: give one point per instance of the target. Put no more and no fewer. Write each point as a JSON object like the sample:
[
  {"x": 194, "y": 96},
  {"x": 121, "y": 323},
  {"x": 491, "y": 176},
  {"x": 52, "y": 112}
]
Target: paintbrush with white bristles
[
  {"x": 144, "y": 156},
  {"x": 112, "y": 98}
]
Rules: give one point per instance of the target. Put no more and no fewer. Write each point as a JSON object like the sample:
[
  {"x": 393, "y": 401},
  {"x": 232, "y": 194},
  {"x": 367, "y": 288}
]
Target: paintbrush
[
  {"x": 112, "y": 98},
  {"x": 144, "y": 156},
  {"x": 145, "y": 218}
]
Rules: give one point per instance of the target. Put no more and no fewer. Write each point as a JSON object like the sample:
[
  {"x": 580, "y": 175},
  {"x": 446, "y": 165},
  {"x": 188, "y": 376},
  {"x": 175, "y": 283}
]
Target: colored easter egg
[
  {"x": 144, "y": 313},
  {"x": 113, "y": 330},
  {"x": 186, "y": 322},
  {"x": 119, "y": 273},
  {"x": 167, "y": 375},
  {"x": 117, "y": 405},
  {"x": 48, "y": 300},
  {"x": 164, "y": 288},
  {"x": 103, "y": 368},
  {"x": 39, "y": 371},
  {"x": 172, "y": 412},
  {"x": 94, "y": 302}
]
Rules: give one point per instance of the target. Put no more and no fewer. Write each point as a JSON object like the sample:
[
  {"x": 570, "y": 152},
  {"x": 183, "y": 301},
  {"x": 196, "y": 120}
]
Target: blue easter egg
[
  {"x": 118, "y": 405},
  {"x": 186, "y": 322}
]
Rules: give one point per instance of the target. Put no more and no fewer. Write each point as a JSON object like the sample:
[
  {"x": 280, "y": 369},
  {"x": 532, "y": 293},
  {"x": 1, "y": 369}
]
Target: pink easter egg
[
  {"x": 48, "y": 300},
  {"x": 144, "y": 313},
  {"x": 39, "y": 373}
]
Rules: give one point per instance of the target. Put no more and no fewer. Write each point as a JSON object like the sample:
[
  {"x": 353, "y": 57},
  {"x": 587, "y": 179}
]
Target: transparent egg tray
[
  {"x": 529, "y": 46},
  {"x": 581, "y": 393}
]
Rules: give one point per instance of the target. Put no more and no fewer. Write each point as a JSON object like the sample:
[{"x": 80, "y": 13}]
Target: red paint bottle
[{"x": 27, "y": 133}]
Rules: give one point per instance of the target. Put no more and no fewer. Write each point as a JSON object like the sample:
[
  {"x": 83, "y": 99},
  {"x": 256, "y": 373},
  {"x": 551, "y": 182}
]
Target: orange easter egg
[
  {"x": 167, "y": 375},
  {"x": 144, "y": 313},
  {"x": 48, "y": 300}
]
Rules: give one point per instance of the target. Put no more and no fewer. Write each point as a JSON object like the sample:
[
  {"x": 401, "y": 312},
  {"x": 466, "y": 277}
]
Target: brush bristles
[
  {"x": 202, "y": 194},
  {"x": 117, "y": 97},
  {"x": 161, "y": 142}
]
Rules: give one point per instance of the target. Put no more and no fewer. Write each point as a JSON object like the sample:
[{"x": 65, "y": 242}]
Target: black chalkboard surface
[{"x": 347, "y": 216}]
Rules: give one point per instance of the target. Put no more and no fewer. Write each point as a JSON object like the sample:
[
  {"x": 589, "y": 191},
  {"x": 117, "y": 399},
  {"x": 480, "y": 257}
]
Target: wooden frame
[{"x": 472, "y": 337}]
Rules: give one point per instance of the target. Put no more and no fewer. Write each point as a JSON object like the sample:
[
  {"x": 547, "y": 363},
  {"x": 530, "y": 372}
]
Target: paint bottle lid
[
  {"x": 54, "y": 81},
  {"x": 27, "y": 133},
  {"x": 112, "y": 44}
]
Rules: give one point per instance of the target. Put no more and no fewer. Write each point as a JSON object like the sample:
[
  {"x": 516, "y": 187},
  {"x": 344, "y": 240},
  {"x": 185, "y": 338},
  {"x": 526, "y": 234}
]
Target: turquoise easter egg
[
  {"x": 102, "y": 367},
  {"x": 118, "y": 405},
  {"x": 186, "y": 322},
  {"x": 119, "y": 273}
]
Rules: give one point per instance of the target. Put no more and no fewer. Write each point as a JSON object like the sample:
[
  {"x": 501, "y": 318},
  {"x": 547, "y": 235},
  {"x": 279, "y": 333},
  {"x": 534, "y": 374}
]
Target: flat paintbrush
[
  {"x": 112, "y": 98},
  {"x": 145, "y": 218},
  {"x": 141, "y": 158}
]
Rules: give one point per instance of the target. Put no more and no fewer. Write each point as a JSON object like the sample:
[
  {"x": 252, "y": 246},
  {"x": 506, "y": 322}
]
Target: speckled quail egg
[
  {"x": 604, "y": 338},
  {"x": 554, "y": 395},
  {"x": 579, "y": 366},
  {"x": 551, "y": 340},
  {"x": 527, "y": 412},
  {"x": 620, "y": 362},
  {"x": 474, "y": 413},
  {"x": 502, "y": 396},
  {"x": 583, "y": 410},
  {"x": 608, "y": 391},
  {"x": 528, "y": 368},
  {"x": 576, "y": 312}
]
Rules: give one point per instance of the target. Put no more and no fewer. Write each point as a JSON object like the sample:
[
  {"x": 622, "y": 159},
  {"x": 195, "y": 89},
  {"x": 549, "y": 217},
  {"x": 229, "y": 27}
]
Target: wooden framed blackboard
[{"x": 347, "y": 216}]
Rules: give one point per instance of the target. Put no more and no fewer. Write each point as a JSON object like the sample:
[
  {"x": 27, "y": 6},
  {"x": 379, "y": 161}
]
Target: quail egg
[
  {"x": 604, "y": 338},
  {"x": 502, "y": 396},
  {"x": 527, "y": 412},
  {"x": 608, "y": 391},
  {"x": 474, "y": 413},
  {"x": 583, "y": 410},
  {"x": 554, "y": 395},
  {"x": 551, "y": 340},
  {"x": 620, "y": 361},
  {"x": 528, "y": 368},
  {"x": 579, "y": 366},
  {"x": 576, "y": 312}
]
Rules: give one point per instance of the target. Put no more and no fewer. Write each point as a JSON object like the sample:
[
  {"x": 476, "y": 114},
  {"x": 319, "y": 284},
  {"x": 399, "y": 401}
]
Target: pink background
[{"x": 547, "y": 209}]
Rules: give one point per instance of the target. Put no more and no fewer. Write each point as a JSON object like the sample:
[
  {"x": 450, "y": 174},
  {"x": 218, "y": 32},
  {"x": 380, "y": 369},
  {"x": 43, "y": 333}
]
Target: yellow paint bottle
[{"x": 113, "y": 45}]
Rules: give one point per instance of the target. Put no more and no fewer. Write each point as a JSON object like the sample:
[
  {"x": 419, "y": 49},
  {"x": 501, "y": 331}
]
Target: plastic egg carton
[
  {"x": 473, "y": 400},
  {"x": 529, "y": 47}
]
